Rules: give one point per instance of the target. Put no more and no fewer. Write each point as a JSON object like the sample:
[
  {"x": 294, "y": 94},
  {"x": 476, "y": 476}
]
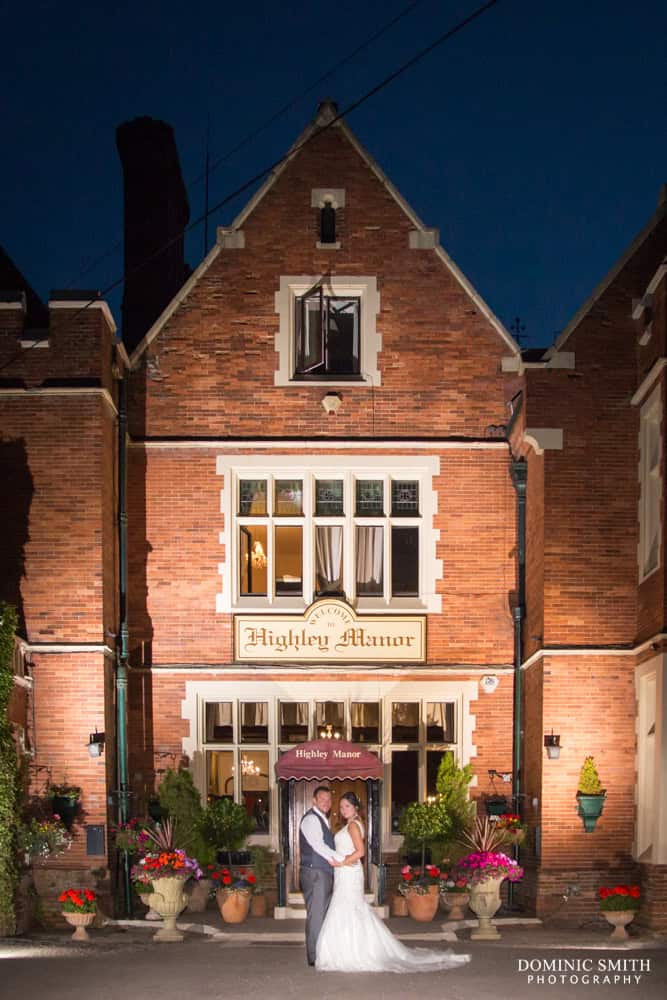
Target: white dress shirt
[{"x": 312, "y": 831}]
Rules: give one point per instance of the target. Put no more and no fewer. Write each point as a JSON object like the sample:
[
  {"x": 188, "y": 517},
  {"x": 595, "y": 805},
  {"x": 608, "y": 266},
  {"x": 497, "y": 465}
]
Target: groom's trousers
[{"x": 317, "y": 886}]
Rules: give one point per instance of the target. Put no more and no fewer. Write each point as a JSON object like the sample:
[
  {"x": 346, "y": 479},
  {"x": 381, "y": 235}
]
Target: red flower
[
  {"x": 226, "y": 880},
  {"x": 90, "y": 896},
  {"x": 407, "y": 877},
  {"x": 252, "y": 879},
  {"x": 635, "y": 891},
  {"x": 623, "y": 890},
  {"x": 604, "y": 893},
  {"x": 63, "y": 897}
]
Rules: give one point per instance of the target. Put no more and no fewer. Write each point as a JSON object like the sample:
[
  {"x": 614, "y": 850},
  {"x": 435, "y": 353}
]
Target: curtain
[
  {"x": 255, "y": 713},
  {"x": 364, "y": 714},
  {"x": 218, "y": 715},
  {"x": 435, "y": 715},
  {"x": 294, "y": 713},
  {"x": 369, "y": 555},
  {"x": 329, "y": 557}
]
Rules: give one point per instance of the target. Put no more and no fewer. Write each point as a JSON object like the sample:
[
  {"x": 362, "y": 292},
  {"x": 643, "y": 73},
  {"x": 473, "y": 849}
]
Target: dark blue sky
[{"x": 535, "y": 140}]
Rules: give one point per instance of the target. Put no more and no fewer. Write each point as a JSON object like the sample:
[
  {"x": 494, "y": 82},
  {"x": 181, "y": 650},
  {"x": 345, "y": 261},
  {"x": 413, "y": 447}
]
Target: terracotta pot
[
  {"x": 399, "y": 905},
  {"x": 259, "y": 905},
  {"x": 422, "y": 906},
  {"x": 484, "y": 902},
  {"x": 80, "y": 921},
  {"x": 619, "y": 919},
  {"x": 456, "y": 904},
  {"x": 168, "y": 899},
  {"x": 233, "y": 904},
  {"x": 198, "y": 893}
]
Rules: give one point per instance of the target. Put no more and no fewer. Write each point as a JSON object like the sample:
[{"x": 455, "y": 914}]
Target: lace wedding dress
[{"x": 354, "y": 939}]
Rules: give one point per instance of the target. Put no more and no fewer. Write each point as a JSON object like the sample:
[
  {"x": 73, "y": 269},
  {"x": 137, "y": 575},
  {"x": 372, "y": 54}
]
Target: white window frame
[
  {"x": 349, "y": 468},
  {"x": 650, "y": 485},
  {"x": 364, "y": 288},
  {"x": 312, "y": 690},
  {"x": 650, "y": 844}
]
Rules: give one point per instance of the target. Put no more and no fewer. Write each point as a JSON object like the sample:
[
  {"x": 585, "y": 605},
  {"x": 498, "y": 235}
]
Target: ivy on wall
[{"x": 9, "y": 780}]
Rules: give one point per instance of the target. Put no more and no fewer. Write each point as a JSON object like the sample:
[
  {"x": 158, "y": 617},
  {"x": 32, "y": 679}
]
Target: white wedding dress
[{"x": 354, "y": 939}]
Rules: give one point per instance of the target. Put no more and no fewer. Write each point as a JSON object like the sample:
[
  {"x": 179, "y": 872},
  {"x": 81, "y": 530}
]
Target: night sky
[{"x": 535, "y": 139}]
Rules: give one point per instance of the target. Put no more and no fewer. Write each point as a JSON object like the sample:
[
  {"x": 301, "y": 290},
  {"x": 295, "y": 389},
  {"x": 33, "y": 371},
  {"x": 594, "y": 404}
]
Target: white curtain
[
  {"x": 369, "y": 555},
  {"x": 218, "y": 715},
  {"x": 329, "y": 557},
  {"x": 255, "y": 713},
  {"x": 294, "y": 713}
]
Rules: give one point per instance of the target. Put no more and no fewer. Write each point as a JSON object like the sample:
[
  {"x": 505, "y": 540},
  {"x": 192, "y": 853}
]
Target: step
[
  {"x": 296, "y": 898},
  {"x": 298, "y": 912}
]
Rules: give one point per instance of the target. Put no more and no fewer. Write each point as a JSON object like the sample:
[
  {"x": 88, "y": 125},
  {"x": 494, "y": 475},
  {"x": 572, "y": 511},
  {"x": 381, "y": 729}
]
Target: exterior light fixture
[
  {"x": 96, "y": 744},
  {"x": 329, "y": 733},
  {"x": 552, "y": 743}
]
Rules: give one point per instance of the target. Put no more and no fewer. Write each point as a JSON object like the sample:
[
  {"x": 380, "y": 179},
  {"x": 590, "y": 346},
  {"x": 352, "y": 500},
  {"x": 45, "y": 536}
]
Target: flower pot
[
  {"x": 619, "y": 919},
  {"x": 484, "y": 902},
  {"x": 168, "y": 899},
  {"x": 456, "y": 903},
  {"x": 66, "y": 806},
  {"x": 590, "y": 808},
  {"x": 399, "y": 905},
  {"x": 80, "y": 921},
  {"x": 259, "y": 905},
  {"x": 146, "y": 899},
  {"x": 234, "y": 905},
  {"x": 423, "y": 906},
  {"x": 197, "y": 893}
]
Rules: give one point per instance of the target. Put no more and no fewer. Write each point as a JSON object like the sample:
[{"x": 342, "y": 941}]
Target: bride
[{"x": 353, "y": 938}]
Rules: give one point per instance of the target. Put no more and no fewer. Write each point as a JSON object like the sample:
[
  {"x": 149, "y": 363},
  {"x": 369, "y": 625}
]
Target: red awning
[{"x": 328, "y": 759}]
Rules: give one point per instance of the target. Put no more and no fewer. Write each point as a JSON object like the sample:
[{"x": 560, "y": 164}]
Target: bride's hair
[{"x": 352, "y": 799}]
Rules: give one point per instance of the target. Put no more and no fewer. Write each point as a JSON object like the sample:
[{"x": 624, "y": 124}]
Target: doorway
[{"x": 302, "y": 800}]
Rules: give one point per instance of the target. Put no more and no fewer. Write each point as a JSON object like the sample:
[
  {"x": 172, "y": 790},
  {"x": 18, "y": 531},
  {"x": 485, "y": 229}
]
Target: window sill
[
  {"x": 327, "y": 246},
  {"x": 327, "y": 379}
]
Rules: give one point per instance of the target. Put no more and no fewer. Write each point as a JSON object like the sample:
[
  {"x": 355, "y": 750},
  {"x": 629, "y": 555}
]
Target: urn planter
[
  {"x": 80, "y": 921},
  {"x": 456, "y": 903},
  {"x": 619, "y": 919},
  {"x": 590, "y": 809},
  {"x": 234, "y": 905},
  {"x": 168, "y": 899},
  {"x": 485, "y": 902}
]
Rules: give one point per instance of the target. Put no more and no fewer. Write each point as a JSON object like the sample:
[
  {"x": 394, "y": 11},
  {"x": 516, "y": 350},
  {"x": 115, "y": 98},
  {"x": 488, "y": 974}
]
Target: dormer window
[
  {"x": 328, "y": 223},
  {"x": 327, "y": 335}
]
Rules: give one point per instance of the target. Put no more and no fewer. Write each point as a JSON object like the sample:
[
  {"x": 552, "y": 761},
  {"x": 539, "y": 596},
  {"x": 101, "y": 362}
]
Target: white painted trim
[
  {"x": 319, "y": 197},
  {"x": 198, "y": 692},
  {"x": 543, "y": 439},
  {"x": 563, "y": 359},
  {"x": 23, "y": 682},
  {"x": 69, "y": 647},
  {"x": 363, "y": 287},
  {"x": 63, "y": 391},
  {"x": 425, "y": 469},
  {"x": 423, "y": 239},
  {"x": 36, "y": 343},
  {"x": 123, "y": 353},
  {"x": 648, "y": 381},
  {"x": 19, "y": 305},
  {"x": 249, "y": 671},
  {"x": 230, "y": 239},
  {"x": 600, "y": 289},
  {"x": 657, "y": 838},
  {"x": 172, "y": 306},
  {"x": 649, "y": 513},
  {"x": 592, "y": 650},
  {"x": 321, "y": 444},
  {"x": 86, "y": 304}
]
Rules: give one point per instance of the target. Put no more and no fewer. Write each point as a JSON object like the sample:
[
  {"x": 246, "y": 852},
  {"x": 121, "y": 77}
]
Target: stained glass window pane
[
  {"x": 288, "y": 497},
  {"x": 252, "y": 496},
  {"x": 404, "y": 498},
  {"x": 370, "y": 497},
  {"x": 329, "y": 497}
]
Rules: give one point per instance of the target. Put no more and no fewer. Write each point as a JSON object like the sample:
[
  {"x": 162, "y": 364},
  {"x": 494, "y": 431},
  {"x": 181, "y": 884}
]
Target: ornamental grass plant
[{"x": 620, "y": 897}]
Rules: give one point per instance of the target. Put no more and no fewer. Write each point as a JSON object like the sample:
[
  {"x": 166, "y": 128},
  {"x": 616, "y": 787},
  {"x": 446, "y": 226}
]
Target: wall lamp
[
  {"x": 503, "y": 775},
  {"x": 96, "y": 744},
  {"x": 552, "y": 743}
]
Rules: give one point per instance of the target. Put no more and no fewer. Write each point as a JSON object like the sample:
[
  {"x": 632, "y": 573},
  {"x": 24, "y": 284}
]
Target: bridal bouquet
[{"x": 414, "y": 880}]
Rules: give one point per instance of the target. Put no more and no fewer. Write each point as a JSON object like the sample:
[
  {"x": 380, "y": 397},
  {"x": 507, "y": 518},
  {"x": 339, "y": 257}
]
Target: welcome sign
[{"x": 330, "y": 632}]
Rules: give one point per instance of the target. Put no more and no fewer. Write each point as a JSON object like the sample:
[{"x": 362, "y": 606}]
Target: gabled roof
[
  {"x": 326, "y": 117},
  {"x": 600, "y": 289}
]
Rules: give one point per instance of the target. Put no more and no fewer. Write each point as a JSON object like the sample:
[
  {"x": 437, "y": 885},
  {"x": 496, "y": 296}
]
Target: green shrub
[
  {"x": 225, "y": 825},
  {"x": 589, "y": 779},
  {"x": 9, "y": 777}
]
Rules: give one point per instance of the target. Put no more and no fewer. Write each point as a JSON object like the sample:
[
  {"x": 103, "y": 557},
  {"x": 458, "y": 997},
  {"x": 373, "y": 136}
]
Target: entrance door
[{"x": 303, "y": 800}]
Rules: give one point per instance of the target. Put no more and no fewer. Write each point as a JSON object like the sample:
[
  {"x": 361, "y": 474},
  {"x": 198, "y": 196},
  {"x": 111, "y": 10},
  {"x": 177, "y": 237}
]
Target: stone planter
[
  {"x": 147, "y": 898},
  {"x": 590, "y": 809},
  {"x": 485, "y": 902},
  {"x": 456, "y": 903},
  {"x": 168, "y": 899},
  {"x": 233, "y": 904},
  {"x": 198, "y": 893},
  {"x": 80, "y": 921},
  {"x": 423, "y": 906},
  {"x": 619, "y": 919}
]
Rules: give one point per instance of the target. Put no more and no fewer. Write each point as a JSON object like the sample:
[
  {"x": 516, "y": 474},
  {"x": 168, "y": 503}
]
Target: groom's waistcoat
[{"x": 309, "y": 857}]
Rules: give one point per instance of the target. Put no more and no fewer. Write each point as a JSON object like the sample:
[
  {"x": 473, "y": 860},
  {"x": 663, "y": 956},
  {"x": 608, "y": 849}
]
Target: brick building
[{"x": 330, "y": 438}]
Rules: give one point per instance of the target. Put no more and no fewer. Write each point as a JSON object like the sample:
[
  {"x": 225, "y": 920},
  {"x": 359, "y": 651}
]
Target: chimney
[{"x": 156, "y": 211}]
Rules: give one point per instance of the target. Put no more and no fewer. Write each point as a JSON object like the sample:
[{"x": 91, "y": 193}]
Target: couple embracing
[{"x": 343, "y": 934}]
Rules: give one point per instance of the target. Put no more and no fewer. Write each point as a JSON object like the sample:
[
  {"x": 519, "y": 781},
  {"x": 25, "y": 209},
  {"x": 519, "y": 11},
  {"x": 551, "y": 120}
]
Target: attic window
[
  {"x": 327, "y": 335},
  {"x": 328, "y": 223}
]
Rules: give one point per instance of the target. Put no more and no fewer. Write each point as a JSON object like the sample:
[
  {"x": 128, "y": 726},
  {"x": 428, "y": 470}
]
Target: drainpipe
[
  {"x": 519, "y": 473},
  {"x": 122, "y": 646}
]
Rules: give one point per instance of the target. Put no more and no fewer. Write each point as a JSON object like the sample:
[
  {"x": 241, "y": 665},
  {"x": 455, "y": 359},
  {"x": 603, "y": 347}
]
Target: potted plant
[
  {"x": 513, "y": 830},
  {"x": 261, "y": 868},
  {"x": 224, "y": 826},
  {"x": 65, "y": 799},
  {"x": 619, "y": 906},
  {"x": 233, "y": 892},
  {"x": 168, "y": 870},
  {"x": 132, "y": 836},
  {"x": 44, "y": 838},
  {"x": 79, "y": 907},
  {"x": 421, "y": 888},
  {"x": 590, "y": 795},
  {"x": 485, "y": 869},
  {"x": 144, "y": 890},
  {"x": 455, "y": 893}
]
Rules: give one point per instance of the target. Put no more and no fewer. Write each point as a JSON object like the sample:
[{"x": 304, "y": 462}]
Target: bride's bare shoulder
[{"x": 360, "y": 827}]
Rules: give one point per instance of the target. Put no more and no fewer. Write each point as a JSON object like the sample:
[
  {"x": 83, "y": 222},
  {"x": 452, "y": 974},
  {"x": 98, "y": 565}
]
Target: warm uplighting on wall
[{"x": 552, "y": 743}]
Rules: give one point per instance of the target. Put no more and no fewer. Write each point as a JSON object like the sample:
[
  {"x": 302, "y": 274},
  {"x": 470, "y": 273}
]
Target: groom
[{"x": 318, "y": 859}]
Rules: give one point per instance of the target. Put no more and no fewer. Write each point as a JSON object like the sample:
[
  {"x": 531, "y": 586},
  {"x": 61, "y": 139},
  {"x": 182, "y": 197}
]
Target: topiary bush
[
  {"x": 589, "y": 779},
  {"x": 225, "y": 825}
]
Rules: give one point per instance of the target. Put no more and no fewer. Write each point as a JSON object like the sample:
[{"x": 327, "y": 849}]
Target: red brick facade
[{"x": 203, "y": 390}]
